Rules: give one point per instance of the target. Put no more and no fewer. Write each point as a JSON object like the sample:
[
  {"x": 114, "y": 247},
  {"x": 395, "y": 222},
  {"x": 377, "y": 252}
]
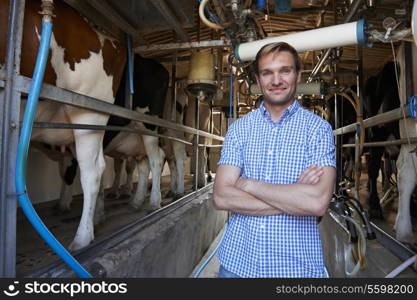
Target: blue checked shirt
[{"x": 276, "y": 152}]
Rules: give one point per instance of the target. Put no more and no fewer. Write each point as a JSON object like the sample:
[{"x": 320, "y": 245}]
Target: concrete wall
[{"x": 170, "y": 247}]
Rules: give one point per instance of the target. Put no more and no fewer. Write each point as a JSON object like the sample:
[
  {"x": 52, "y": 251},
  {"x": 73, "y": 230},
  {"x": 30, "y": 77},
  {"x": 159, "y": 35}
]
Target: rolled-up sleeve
[
  {"x": 322, "y": 148},
  {"x": 231, "y": 153}
]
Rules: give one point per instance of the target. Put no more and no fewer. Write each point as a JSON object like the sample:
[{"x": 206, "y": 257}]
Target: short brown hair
[{"x": 275, "y": 48}]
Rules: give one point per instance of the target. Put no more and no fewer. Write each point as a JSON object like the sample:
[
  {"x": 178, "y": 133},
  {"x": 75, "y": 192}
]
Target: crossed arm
[{"x": 310, "y": 195}]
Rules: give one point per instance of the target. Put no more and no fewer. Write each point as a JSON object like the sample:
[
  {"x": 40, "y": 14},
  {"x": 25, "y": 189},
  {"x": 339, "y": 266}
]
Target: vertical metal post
[
  {"x": 357, "y": 158},
  {"x": 9, "y": 124},
  {"x": 174, "y": 88},
  {"x": 338, "y": 145},
  {"x": 359, "y": 80},
  {"x": 236, "y": 97},
  {"x": 408, "y": 57},
  {"x": 221, "y": 123},
  {"x": 130, "y": 74},
  {"x": 197, "y": 137}
]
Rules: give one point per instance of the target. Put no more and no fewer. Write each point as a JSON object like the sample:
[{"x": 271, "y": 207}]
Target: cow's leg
[
  {"x": 89, "y": 148},
  {"x": 67, "y": 170},
  {"x": 174, "y": 178},
  {"x": 180, "y": 157},
  {"x": 142, "y": 187},
  {"x": 374, "y": 165},
  {"x": 156, "y": 158},
  {"x": 209, "y": 174},
  {"x": 406, "y": 183},
  {"x": 114, "y": 191},
  {"x": 99, "y": 215},
  {"x": 130, "y": 168}
]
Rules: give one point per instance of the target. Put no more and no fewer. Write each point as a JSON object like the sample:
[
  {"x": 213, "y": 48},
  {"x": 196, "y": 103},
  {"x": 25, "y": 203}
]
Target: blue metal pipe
[{"x": 22, "y": 154}]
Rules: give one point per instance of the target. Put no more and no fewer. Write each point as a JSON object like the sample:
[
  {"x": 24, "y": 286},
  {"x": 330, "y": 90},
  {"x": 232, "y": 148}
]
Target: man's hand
[{"x": 311, "y": 175}]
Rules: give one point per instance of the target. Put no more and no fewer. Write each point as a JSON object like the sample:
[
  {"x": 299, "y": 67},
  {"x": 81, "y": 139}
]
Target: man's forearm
[
  {"x": 295, "y": 199},
  {"x": 235, "y": 200}
]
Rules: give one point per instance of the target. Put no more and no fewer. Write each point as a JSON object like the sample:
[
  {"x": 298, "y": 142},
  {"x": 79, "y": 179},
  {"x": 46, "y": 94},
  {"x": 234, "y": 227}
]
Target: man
[{"x": 276, "y": 175}]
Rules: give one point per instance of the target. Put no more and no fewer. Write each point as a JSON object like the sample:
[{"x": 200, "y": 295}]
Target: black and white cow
[
  {"x": 346, "y": 116},
  {"x": 380, "y": 95},
  {"x": 383, "y": 94},
  {"x": 175, "y": 151},
  {"x": 407, "y": 159},
  {"x": 150, "y": 89}
]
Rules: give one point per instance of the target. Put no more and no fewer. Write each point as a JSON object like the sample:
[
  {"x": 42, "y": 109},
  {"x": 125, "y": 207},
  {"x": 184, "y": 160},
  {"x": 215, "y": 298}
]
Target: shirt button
[
  {"x": 269, "y": 152},
  {"x": 262, "y": 226},
  {"x": 274, "y": 129}
]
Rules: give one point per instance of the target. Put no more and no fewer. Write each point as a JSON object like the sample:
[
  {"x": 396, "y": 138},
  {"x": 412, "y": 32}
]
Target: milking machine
[
  {"x": 24, "y": 140},
  {"x": 359, "y": 227}
]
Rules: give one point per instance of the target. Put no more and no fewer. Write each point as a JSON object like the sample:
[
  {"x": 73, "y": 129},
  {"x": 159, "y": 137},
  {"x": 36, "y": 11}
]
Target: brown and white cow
[{"x": 81, "y": 60}]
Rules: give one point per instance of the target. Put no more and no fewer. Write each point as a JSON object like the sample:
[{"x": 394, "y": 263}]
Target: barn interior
[{"x": 174, "y": 33}]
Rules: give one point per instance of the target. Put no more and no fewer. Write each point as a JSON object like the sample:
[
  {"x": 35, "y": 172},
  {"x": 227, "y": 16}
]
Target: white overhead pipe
[{"x": 327, "y": 37}]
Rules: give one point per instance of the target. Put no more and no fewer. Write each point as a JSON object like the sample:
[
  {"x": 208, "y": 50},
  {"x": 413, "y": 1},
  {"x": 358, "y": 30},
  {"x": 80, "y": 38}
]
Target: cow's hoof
[
  {"x": 406, "y": 239},
  {"x": 170, "y": 194},
  {"x": 74, "y": 246},
  {"x": 153, "y": 208},
  {"x": 134, "y": 205},
  {"x": 376, "y": 213},
  {"x": 112, "y": 195},
  {"x": 178, "y": 196},
  {"x": 125, "y": 195},
  {"x": 61, "y": 211},
  {"x": 99, "y": 219}
]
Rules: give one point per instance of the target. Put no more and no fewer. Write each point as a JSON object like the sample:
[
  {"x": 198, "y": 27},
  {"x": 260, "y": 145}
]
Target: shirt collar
[{"x": 289, "y": 111}]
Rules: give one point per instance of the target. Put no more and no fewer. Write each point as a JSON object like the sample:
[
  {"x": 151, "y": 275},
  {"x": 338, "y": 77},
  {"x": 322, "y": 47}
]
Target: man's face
[{"x": 277, "y": 78}]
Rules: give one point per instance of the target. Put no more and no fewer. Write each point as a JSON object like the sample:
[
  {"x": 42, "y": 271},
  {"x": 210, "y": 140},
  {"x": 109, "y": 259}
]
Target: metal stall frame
[
  {"x": 13, "y": 85},
  {"x": 9, "y": 138},
  {"x": 396, "y": 247}
]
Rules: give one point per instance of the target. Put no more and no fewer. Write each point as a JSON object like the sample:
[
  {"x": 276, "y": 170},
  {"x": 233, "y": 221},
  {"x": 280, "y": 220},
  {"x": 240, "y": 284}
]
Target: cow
[
  {"x": 81, "y": 60},
  {"x": 150, "y": 89},
  {"x": 380, "y": 95},
  {"x": 175, "y": 151},
  {"x": 407, "y": 160}
]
